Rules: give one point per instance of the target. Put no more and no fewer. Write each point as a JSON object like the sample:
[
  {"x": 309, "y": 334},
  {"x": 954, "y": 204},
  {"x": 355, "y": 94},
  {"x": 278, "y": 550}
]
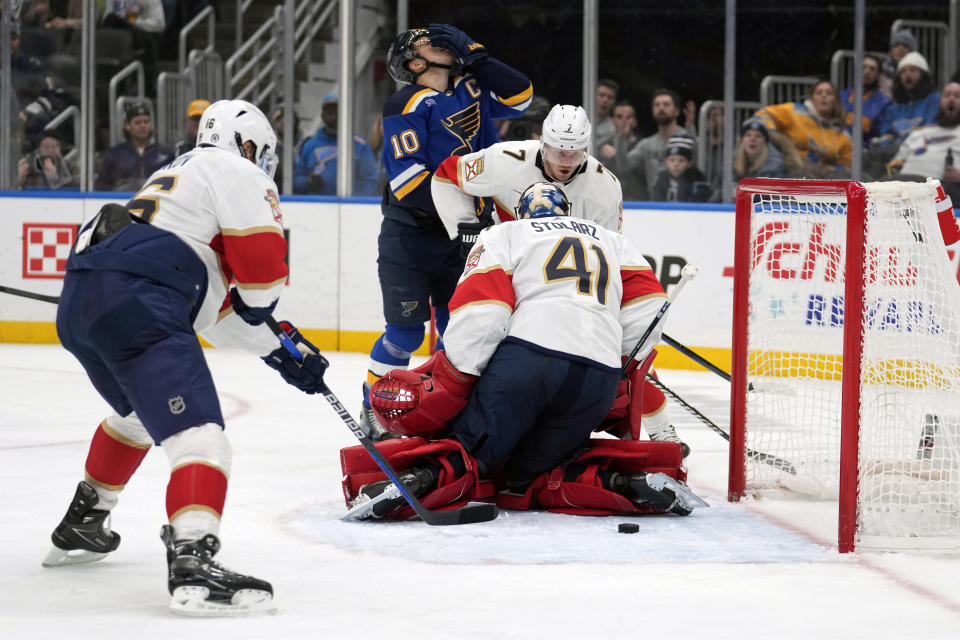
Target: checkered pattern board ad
[{"x": 46, "y": 248}]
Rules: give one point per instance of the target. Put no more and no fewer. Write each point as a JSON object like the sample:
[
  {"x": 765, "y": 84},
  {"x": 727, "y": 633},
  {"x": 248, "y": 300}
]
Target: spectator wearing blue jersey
[
  {"x": 454, "y": 93},
  {"x": 915, "y": 103},
  {"x": 315, "y": 169},
  {"x": 874, "y": 101}
]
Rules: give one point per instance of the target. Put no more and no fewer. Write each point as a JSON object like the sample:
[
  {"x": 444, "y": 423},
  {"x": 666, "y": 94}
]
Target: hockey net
[{"x": 846, "y": 358}]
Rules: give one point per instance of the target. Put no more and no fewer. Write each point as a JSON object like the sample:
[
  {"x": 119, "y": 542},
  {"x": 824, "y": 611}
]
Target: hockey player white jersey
[
  {"x": 228, "y": 211},
  {"x": 502, "y": 171},
  {"x": 563, "y": 285}
]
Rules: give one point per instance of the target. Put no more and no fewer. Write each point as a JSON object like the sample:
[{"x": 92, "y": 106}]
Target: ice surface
[{"x": 759, "y": 569}]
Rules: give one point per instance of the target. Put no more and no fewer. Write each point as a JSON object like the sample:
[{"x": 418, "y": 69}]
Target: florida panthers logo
[
  {"x": 464, "y": 125},
  {"x": 274, "y": 201},
  {"x": 473, "y": 259}
]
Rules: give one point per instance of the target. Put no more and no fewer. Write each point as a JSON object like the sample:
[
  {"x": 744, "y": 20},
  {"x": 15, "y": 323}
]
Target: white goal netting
[{"x": 909, "y": 343}]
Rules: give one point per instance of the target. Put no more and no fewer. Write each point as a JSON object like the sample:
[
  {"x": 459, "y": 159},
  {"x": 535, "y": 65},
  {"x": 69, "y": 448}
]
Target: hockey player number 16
[
  {"x": 146, "y": 206},
  {"x": 568, "y": 261}
]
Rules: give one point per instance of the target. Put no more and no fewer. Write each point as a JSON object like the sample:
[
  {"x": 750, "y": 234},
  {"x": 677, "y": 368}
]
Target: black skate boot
[
  {"x": 199, "y": 586},
  {"x": 658, "y": 490},
  {"x": 84, "y": 534},
  {"x": 377, "y": 499}
]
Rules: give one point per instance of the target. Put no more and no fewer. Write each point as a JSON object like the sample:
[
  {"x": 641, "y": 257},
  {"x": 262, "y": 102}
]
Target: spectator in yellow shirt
[{"x": 817, "y": 129}]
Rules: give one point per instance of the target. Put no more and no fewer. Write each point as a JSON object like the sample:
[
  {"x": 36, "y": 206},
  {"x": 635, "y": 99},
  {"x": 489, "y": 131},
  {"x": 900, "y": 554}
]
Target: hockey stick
[
  {"x": 469, "y": 514},
  {"x": 696, "y": 357},
  {"x": 688, "y": 272},
  {"x": 766, "y": 458},
  {"x": 29, "y": 294}
]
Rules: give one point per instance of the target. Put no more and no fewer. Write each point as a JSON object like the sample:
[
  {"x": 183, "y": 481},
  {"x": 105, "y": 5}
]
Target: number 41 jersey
[{"x": 563, "y": 286}]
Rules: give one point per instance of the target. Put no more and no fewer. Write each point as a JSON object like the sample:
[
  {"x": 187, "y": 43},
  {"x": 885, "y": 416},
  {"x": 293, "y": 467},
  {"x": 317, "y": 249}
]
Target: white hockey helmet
[
  {"x": 566, "y": 131},
  {"x": 227, "y": 124}
]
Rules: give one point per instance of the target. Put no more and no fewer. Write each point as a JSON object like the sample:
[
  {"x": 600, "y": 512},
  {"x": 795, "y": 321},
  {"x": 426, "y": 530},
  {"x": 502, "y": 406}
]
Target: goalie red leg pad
[
  {"x": 112, "y": 458},
  {"x": 359, "y": 469},
  {"x": 586, "y": 495},
  {"x": 196, "y": 486},
  {"x": 624, "y": 418}
]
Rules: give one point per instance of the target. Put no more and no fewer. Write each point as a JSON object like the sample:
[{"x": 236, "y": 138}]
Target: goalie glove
[
  {"x": 421, "y": 401},
  {"x": 458, "y": 43},
  {"x": 305, "y": 374}
]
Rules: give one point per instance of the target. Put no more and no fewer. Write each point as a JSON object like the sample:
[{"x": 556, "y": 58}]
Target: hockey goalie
[{"x": 543, "y": 311}]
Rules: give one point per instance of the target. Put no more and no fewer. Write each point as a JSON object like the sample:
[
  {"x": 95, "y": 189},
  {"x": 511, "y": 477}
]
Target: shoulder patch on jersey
[
  {"x": 473, "y": 259},
  {"x": 274, "y": 201},
  {"x": 472, "y": 168}
]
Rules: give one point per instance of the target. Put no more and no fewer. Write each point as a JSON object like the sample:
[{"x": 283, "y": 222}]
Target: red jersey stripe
[
  {"x": 639, "y": 283},
  {"x": 490, "y": 286},
  {"x": 256, "y": 259},
  {"x": 447, "y": 170}
]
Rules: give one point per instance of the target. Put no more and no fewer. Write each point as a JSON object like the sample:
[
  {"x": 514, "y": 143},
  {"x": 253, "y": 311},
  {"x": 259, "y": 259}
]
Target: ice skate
[
  {"x": 369, "y": 422},
  {"x": 669, "y": 434},
  {"x": 199, "y": 586},
  {"x": 377, "y": 499},
  {"x": 660, "y": 490},
  {"x": 84, "y": 534}
]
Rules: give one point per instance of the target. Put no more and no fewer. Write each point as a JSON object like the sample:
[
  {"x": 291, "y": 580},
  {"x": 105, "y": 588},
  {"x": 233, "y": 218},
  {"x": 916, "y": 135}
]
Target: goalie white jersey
[
  {"x": 565, "y": 285},
  {"x": 504, "y": 170}
]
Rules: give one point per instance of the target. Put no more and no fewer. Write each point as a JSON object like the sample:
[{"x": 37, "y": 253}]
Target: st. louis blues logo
[
  {"x": 409, "y": 307},
  {"x": 464, "y": 125}
]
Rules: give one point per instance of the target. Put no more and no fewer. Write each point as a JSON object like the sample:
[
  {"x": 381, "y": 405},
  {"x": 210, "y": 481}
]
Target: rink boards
[{"x": 333, "y": 292}]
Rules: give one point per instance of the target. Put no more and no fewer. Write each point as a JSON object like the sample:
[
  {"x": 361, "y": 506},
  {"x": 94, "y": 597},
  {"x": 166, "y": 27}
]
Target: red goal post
[{"x": 846, "y": 357}]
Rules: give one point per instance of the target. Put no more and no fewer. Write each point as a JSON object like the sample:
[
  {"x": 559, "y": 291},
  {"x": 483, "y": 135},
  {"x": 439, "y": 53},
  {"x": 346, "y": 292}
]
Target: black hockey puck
[{"x": 628, "y": 527}]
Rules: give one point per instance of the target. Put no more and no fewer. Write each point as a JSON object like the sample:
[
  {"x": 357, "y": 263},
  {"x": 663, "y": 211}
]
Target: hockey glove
[
  {"x": 250, "y": 315},
  {"x": 305, "y": 374},
  {"x": 467, "y": 234},
  {"x": 457, "y": 42}
]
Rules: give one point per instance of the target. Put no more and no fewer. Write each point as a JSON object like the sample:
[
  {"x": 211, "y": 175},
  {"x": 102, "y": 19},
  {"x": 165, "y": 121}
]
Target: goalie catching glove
[
  {"x": 306, "y": 373},
  {"x": 421, "y": 401}
]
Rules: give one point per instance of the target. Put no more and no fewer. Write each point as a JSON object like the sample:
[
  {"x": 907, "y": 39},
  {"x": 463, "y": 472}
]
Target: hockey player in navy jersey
[
  {"x": 455, "y": 90},
  {"x": 142, "y": 281}
]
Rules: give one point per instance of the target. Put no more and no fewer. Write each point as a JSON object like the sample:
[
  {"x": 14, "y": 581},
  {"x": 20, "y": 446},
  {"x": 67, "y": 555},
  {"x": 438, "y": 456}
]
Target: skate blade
[
  {"x": 192, "y": 601},
  {"x": 58, "y": 557},
  {"x": 363, "y": 506},
  {"x": 687, "y": 498}
]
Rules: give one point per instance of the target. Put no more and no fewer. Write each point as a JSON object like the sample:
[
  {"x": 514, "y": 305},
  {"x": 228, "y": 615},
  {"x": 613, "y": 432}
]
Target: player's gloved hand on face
[
  {"x": 454, "y": 40},
  {"x": 250, "y": 315},
  {"x": 467, "y": 233},
  {"x": 306, "y": 373}
]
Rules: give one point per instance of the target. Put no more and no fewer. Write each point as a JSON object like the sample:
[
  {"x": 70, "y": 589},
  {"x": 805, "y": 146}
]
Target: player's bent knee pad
[
  {"x": 130, "y": 427},
  {"x": 402, "y": 340},
  {"x": 205, "y": 443}
]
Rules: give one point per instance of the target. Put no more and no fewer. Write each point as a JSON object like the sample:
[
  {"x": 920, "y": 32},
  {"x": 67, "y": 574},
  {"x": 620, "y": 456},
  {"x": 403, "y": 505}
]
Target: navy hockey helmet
[
  {"x": 541, "y": 200},
  {"x": 403, "y": 49}
]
